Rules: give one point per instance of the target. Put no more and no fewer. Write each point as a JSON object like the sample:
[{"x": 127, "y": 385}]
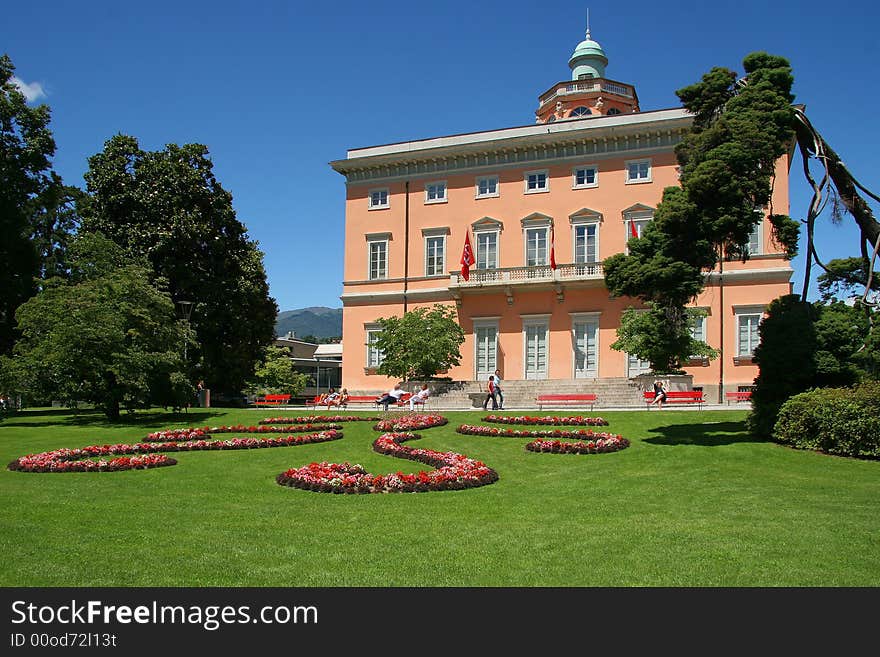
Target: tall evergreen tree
[
  {"x": 727, "y": 164},
  {"x": 167, "y": 206}
]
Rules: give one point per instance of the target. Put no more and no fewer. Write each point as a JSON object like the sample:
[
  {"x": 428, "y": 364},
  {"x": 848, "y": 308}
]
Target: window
[
  {"x": 585, "y": 243},
  {"x": 578, "y": 112},
  {"x": 585, "y": 176},
  {"x": 585, "y": 338},
  {"x": 747, "y": 333},
  {"x": 487, "y": 187},
  {"x": 487, "y": 250},
  {"x": 638, "y": 171},
  {"x": 435, "y": 192},
  {"x": 485, "y": 347},
  {"x": 435, "y": 248},
  {"x": 536, "y": 246},
  {"x": 535, "y": 347},
  {"x": 378, "y": 257},
  {"x": 374, "y": 355},
  {"x": 635, "y": 218},
  {"x": 378, "y": 199},
  {"x": 753, "y": 247},
  {"x": 697, "y": 326},
  {"x": 585, "y": 76},
  {"x": 613, "y": 110},
  {"x": 537, "y": 181}
]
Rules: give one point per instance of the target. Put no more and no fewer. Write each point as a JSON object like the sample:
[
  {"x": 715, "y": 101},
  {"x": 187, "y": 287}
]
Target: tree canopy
[
  {"x": 106, "y": 336},
  {"x": 168, "y": 207},
  {"x": 421, "y": 343}
]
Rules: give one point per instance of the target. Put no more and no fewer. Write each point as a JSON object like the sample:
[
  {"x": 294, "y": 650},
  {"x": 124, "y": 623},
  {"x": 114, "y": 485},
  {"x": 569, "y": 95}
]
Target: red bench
[
  {"x": 679, "y": 397},
  {"x": 273, "y": 400},
  {"x": 739, "y": 396},
  {"x": 567, "y": 400}
]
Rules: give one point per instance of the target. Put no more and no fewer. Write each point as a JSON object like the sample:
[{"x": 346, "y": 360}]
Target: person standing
[
  {"x": 499, "y": 393},
  {"x": 490, "y": 394}
]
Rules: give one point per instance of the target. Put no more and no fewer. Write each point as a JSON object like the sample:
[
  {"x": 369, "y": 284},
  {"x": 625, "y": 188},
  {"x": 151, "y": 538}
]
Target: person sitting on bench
[
  {"x": 392, "y": 396},
  {"x": 420, "y": 397}
]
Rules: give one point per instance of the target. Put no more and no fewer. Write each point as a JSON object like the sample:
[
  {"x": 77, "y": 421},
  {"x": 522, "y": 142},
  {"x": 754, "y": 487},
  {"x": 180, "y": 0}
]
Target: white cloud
[{"x": 33, "y": 91}]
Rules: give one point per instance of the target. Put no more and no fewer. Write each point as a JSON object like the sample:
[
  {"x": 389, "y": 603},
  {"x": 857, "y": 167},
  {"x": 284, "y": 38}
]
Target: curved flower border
[
  {"x": 453, "y": 472},
  {"x": 598, "y": 446},
  {"x": 597, "y": 443},
  {"x": 550, "y": 420},
  {"x": 412, "y": 422},
  {"x": 77, "y": 460},
  {"x": 477, "y": 430},
  {"x": 193, "y": 433},
  {"x": 315, "y": 419}
]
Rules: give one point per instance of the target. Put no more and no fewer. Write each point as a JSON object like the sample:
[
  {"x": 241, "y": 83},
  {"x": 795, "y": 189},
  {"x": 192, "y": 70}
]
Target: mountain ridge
[{"x": 320, "y": 321}]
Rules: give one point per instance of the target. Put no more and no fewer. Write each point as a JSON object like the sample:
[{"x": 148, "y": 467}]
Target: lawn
[{"x": 694, "y": 501}]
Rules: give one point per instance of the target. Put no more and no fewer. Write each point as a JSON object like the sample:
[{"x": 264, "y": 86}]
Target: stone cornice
[{"x": 641, "y": 133}]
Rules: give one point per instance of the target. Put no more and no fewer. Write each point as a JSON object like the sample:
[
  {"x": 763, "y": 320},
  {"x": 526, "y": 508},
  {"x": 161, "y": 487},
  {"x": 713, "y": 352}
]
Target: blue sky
[{"x": 276, "y": 90}]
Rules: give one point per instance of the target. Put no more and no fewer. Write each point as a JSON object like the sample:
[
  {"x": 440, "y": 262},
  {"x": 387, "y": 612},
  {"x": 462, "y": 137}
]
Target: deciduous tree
[
  {"x": 106, "y": 336},
  {"x": 421, "y": 343}
]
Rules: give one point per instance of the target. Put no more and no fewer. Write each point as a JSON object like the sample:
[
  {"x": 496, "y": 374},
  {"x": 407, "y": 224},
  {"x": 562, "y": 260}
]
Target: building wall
[{"x": 753, "y": 283}]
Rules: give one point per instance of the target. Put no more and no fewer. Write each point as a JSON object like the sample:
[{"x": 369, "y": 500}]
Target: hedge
[{"x": 841, "y": 421}]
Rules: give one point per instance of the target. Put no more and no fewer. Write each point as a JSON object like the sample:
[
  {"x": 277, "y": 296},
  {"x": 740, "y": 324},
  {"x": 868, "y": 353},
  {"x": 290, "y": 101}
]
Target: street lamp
[{"x": 186, "y": 308}]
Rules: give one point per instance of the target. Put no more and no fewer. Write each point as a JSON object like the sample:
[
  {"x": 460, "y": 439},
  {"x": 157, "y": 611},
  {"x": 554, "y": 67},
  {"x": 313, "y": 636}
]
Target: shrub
[{"x": 840, "y": 421}]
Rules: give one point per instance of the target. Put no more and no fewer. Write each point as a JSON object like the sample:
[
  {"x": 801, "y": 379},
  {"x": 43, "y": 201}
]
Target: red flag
[
  {"x": 632, "y": 229},
  {"x": 467, "y": 257},
  {"x": 552, "y": 248}
]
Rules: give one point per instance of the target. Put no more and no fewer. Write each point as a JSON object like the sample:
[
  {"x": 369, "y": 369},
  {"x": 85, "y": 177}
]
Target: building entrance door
[
  {"x": 536, "y": 351},
  {"x": 486, "y": 355}
]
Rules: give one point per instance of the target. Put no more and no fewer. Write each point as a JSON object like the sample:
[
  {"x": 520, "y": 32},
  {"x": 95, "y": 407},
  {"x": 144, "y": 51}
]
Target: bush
[{"x": 840, "y": 421}]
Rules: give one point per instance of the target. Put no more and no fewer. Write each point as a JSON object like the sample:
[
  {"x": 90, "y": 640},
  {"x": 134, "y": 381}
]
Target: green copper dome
[{"x": 588, "y": 59}]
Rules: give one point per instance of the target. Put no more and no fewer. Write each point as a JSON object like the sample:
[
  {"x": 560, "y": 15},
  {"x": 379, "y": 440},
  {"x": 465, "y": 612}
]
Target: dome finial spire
[{"x": 588, "y": 22}]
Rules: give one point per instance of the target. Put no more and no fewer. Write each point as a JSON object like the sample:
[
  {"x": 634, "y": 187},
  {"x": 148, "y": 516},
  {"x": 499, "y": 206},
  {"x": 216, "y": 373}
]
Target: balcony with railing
[
  {"x": 538, "y": 277},
  {"x": 599, "y": 85}
]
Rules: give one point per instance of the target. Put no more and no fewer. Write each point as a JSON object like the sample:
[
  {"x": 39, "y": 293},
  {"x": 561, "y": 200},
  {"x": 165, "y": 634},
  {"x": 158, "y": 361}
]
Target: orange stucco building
[{"x": 580, "y": 181}]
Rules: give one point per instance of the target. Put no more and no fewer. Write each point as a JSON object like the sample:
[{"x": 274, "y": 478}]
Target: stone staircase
[{"x": 612, "y": 393}]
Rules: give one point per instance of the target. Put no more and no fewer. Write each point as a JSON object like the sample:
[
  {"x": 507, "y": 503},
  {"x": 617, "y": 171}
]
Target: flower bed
[
  {"x": 477, "y": 430},
  {"x": 596, "y": 443},
  {"x": 314, "y": 419},
  {"x": 68, "y": 461},
  {"x": 193, "y": 433},
  {"x": 598, "y": 446},
  {"x": 550, "y": 420},
  {"x": 77, "y": 460},
  {"x": 453, "y": 472},
  {"x": 412, "y": 422}
]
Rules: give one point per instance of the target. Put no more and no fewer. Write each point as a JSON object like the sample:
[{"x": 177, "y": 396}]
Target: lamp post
[{"x": 186, "y": 308}]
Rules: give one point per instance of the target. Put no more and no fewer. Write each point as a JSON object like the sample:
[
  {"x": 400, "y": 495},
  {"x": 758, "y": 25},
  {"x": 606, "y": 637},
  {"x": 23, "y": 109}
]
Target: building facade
[{"x": 542, "y": 206}]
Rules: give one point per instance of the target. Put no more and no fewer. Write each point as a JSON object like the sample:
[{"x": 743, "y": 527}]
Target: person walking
[
  {"x": 499, "y": 394},
  {"x": 490, "y": 394},
  {"x": 659, "y": 394}
]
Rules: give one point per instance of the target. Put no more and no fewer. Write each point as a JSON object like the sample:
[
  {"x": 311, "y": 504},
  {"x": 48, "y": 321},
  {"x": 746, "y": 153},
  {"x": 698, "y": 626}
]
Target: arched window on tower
[
  {"x": 580, "y": 111},
  {"x": 613, "y": 110}
]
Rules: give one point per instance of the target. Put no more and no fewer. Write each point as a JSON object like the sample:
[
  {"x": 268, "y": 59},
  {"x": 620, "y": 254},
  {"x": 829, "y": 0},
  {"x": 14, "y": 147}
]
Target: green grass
[{"x": 693, "y": 502}]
